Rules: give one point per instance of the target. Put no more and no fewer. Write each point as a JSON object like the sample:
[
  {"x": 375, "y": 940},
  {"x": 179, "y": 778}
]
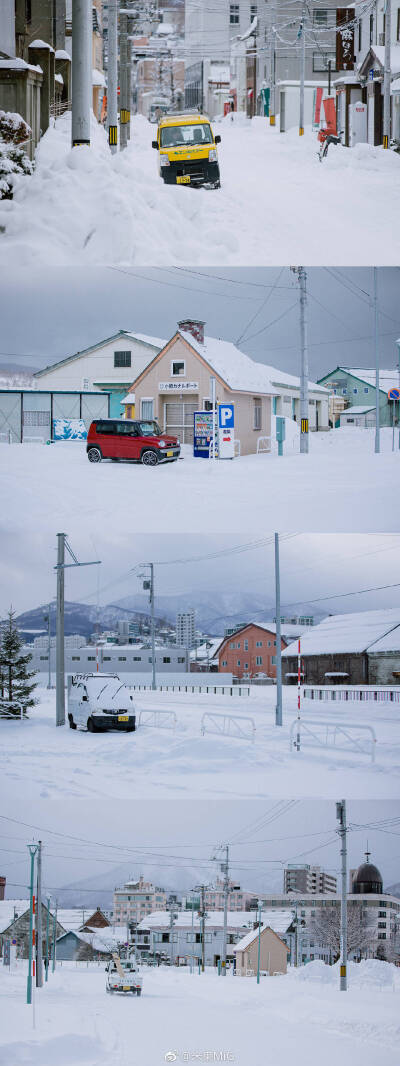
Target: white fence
[
  {"x": 239, "y": 727},
  {"x": 264, "y": 444},
  {"x": 159, "y": 719},
  {"x": 215, "y": 690},
  {"x": 344, "y": 736},
  {"x": 6, "y": 712},
  {"x": 353, "y": 693}
]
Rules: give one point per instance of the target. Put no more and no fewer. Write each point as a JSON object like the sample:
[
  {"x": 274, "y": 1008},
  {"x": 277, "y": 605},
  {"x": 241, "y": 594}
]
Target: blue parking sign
[{"x": 226, "y": 415}]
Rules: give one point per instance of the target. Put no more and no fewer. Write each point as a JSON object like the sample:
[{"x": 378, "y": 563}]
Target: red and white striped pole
[
  {"x": 33, "y": 957},
  {"x": 297, "y": 745}
]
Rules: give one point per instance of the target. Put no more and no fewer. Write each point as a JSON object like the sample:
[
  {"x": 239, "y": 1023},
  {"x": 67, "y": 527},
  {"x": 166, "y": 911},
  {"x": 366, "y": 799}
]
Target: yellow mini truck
[{"x": 187, "y": 150}]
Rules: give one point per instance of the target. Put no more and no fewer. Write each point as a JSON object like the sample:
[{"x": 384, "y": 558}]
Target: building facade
[
  {"x": 251, "y": 650},
  {"x": 135, "y": 900},
  {"x": 186, "y": 628},
  {"x": 354, "y": 649},
  {"x": 38, "y": 414},
  {"x": 122, "y": 658},
  {"x": 309, "y": 879},
  {"x": 356, "y": 388},
  {"x": 262, "y": 949}
]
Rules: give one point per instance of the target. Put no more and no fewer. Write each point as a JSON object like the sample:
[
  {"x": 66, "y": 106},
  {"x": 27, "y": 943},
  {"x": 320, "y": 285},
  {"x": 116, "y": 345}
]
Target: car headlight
[
  {"x": 213, "y": 155},
  {"x": 164, "y": 161},
  {"x": 162, "y": 444}
]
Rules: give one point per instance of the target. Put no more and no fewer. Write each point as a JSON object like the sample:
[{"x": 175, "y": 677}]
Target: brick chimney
[
  {"x": 2, "y": 887},
  {"x": 193, "y": 326}
]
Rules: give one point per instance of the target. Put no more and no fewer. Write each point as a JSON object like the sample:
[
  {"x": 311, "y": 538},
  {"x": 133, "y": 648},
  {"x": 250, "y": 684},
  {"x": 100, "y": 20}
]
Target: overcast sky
[
  {"x": 48, "y": 314},
  {"x": 312, "y": 566},
  {"x": 176, "y": 836}
]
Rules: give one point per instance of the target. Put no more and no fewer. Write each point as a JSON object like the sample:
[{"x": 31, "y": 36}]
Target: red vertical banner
[
  {"x": 330, "y": 115},
  {"x": 318, "y": 102}
]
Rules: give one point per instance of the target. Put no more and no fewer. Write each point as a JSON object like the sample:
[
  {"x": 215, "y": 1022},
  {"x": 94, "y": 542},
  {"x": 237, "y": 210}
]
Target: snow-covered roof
[
  {"x": 40, "y": 44},
  {"x": 388, "y": 379},
  {"x": 130, "y": 398},
  {"x": 215, "y": 920},
  {"x": 278, "y": 921},
  {"x": 288, "y": 632},
  {"x": 379, "y": 52},
  {"x": 152, "y": 342},
  {"x": 390, "y": 642},
  {"x": 207, "y": 650},
  {"x": 98, "y": 77},
  {"x": 9, "y": 908},
  {"x": 62, "y": 54},
  {"x": 342, "y": 633},
  {"x": 357, "y": 410},
  {"x": 19, "y": 64},
  {"x": 241, "y": 373}
]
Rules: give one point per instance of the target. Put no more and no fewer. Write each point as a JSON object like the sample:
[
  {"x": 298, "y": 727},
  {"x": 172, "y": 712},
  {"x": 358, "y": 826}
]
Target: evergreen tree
[{"x": 15, "y": 677}]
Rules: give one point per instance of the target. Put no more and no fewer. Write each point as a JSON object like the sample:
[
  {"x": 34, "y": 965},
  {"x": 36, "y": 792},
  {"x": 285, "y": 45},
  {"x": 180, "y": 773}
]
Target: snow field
[
  {"x": 340, "y": 486},
  {"x": 163, "y": 764},
  {"x": 299, "y": 1015},
  {"x": 278, "y": 204}
]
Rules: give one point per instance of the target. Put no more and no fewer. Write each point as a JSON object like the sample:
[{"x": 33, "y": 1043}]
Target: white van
[{"x": 100, "y": 701}]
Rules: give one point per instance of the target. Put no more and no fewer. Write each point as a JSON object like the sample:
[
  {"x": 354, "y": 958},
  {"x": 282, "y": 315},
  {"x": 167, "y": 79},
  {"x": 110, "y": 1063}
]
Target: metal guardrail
[
  {"x": 159, "y": 719},
  {"x": 261, "y": 441},
  {"x": 347, "y": 693},
  {"x": 331, "y": 730},
  {"x": 215, "y": 690},
  {"x": 228, "y": 725},
  {"x": 5, "y": 711}
]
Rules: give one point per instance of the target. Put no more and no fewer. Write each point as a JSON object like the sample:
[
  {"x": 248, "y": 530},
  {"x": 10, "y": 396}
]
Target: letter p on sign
[{"x": 226, "y": 416}]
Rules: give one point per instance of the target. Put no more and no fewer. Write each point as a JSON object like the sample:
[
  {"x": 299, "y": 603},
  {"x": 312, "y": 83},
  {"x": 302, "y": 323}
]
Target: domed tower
[{"x": 367, "y": 879}]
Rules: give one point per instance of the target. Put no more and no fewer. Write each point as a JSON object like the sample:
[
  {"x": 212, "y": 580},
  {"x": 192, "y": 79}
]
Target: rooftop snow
[
  {"x": 357, "y": 410},
  {"x": 98, "y": 77},
  {"x": 278, "y": 921},
  {"x": 62, "y": 54},
  {"x": 342, "y": 633},
  {"x": 241, "y": 373},
  {"x": 236, "y": 920},
  {"x": 390, "y": 642},
  {"x": 379, "y": 52},
  {"x": 388, "y": 379},
  {"x": 7, "y": 909}
]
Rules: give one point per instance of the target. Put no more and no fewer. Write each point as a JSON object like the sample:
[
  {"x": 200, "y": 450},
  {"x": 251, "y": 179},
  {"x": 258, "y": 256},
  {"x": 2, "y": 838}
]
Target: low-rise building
[
  {"x": 136, "y": 899},
  {"x": 122, "y": 658},
  {"x": 178, "y": 938},
  {"x": 238, "y": 898},
  {"x": 360, "y": 648},
  {"x": 251, "y": 651},
  {"x": 262, "y": 948},
  {"x": 355, "y": 388}
]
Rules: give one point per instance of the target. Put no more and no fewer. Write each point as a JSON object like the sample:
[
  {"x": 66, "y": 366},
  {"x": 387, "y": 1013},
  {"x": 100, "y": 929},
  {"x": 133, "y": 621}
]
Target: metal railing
[
  {"x": 6, "y": 712},
  {"x": 228, "y": 725},
  {"x": 347, "y": 693},
  {"x": 261, "y": 445},
  {"x": 215, "y": 690},
  {"x": 325, "y": 733},
  {"x": 159, "y": 719}
]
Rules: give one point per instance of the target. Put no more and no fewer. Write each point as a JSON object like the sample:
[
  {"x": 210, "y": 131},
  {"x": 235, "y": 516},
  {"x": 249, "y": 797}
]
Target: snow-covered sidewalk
[
  {"x": 301, "y": 1017},
  {"x": 160, "y": 763},
  {"x": 278, "y": 204},
  {"x": 341, "y": 486}
]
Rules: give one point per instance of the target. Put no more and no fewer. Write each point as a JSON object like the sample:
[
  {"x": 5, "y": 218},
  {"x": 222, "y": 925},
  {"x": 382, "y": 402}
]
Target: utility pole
[
  {"x": 341, "y": 816},
  {"x": 278, "y": 710},
  {"x": 32, "y": 848},
  {"x": 225, "y": 871},
  {"x": 304, "y": 439},
  {"x": 39, "y": 938},
  {"x": 47, "y": 619},
  {"x": 272, "y": 60},
  {"x": 387, "y": 75},
  {"x": 112, "y": 77},
  {"x": 148, "y": 585},
  {"x": 376, "y": 345},
  {"x": 302, "y": 35},
  {"x": 62, "y": 544},
  {"x": 202, "y": 917},
  {"x": 47, "y": 939},
  {"x": 81, "y": 71},
  {"x": 214, "y": 412},
  {"x": 259, "y": 941},
  {"x": 172, "y": 917},
  {"x": 123, "y": 80},
  {"x": 54, "y": 937}
]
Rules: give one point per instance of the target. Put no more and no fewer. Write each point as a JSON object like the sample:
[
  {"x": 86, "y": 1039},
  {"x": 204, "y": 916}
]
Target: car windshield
[
  {"x": 149, "y": 429},
  {"x": 191, "y": 135}
]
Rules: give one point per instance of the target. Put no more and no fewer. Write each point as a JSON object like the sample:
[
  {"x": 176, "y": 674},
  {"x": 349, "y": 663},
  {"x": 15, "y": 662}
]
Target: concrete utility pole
[
  {"x": 123, "y": 80},
  {"x": 272, "y": 73},
  {"x": 278, "y": 710},
  {"x": 172, "y": 918},
  {"x": 47, "y": 939},
  {"x": 39, "y": 937},
  {"x": 47, "y": 619},
  {"x": 32, "y": 848},
  {"x": 302, "y": 35},
  {"x": 112, "y": 77},
  {"x": 214, "y": 413},
  {"x": 259, "y": 940},
  {"x": 148, "y": 586},
  {"x": 202, "y": 917},
  {"x": 54, "y": 938},
  {"x": 225, "y": 871},
  {"x": 341, "y": 816},
  {"x": 387, "y": 76},
  {"x": 376, "y": 345},
  {"x": 62, "y": 544},
  {"x": 81, "y": 71},
  {"x": 304, "y": 438}
]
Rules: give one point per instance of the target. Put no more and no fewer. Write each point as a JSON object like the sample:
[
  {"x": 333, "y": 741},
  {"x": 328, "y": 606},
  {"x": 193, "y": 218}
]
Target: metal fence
[
  {"x": 357, "y": 694},
  {"x": 215, "y": 690},
  {"x": 343, "y": 736}
]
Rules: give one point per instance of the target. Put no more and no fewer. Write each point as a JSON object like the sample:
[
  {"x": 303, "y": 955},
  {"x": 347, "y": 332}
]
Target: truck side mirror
[
  {"x": 217, "y": 139},
  {"x": 154, "y": 144}
]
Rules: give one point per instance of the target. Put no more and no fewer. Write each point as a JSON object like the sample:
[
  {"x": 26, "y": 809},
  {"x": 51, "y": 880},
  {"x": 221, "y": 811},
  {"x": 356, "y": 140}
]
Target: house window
[
  {"x": 234, "y": 16},
  {"x": 259, "y": 660},
  {"x": 355, "y": 391},
  {"x": 122, "y": 658},
  {"x": 258, "y": 643},
  {"x": 224, "y": 662},
  {"x": 91, "y": 658},
  {"x": 246, "y": 645},
  {"x": 366, "y": 390},
  {"x": 273, "y": 660},
  {"x": 76, "y": 658},
  {"x": 371, "y": 29},
  {"x": 321, "y": 60},
  {"x": 122, "y": 359},
  {"x": 166, "y": 659},
  {"x": 181, "y": 659},
  {"x": 238, "y": 662},
  {"x": 178, "y": 368},
  {"x": 344, "y": 391},
  {"x": 106, "y": 658},
  {"x": 246, "y": 666},
  {"x": 325, "y": 17},
  {"x": 44, "y": 657},
  {"x": 147, "y": 408},
  {"x": 257, "y": 414}
]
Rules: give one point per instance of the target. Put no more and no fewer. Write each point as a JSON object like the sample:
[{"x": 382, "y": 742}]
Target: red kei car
[{"x": 113, "y": 438}]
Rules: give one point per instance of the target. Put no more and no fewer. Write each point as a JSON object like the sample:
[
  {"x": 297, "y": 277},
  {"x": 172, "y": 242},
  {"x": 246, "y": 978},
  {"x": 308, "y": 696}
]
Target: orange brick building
[{"x": 249, "y": 651}]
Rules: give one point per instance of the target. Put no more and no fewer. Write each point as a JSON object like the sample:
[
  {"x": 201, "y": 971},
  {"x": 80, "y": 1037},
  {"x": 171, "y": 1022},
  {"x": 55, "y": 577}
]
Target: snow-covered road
[
  {"x": 64, "y": 766},
  {"x": 341, "y": 486},
  {"x": 278, "y": 204},
  {"x": 301, "y": 1017}
]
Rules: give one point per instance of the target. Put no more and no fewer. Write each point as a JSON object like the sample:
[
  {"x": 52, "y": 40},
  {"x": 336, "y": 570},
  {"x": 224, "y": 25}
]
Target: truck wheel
[
  {"x": 94, "y": 455},
  {"x": 72, "y": 724},
  {"x": 139, "y": 992},
  {"x": 150, "y": 458},
  {"x": 91, "y": 726}
]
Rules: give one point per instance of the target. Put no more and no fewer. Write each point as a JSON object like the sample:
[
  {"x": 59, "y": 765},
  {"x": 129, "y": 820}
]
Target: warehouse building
[
  {"x": 356, "y": 649},
  {"x": 35, "y": 415}
]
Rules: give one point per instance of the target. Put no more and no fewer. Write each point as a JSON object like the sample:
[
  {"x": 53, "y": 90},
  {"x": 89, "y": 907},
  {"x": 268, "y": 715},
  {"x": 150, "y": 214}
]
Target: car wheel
[
  {"x": 150, "y": 458},
  {"x": 131, "y": 729},
  {"x": 72, "y": 724},
  {"x": 94, "y": 455},
  {"x": 91, "y": 726}
]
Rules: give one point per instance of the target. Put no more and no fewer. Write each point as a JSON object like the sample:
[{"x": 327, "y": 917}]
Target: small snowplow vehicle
[
  {"x": 123, "y": 976},
  {"x": 187, "y": 150}
]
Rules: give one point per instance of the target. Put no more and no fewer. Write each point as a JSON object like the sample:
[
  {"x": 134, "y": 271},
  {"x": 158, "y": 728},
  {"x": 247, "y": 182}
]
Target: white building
[
  {"x": 238, "y": 899},
  {"x": 135, "y": 899},
  {"x": 210, "y": 34},
  {"x": 369, "y": 47},
  {"x": 108, "y": 366},
  {"x": 121, "y": 658},
  {"x": 180, "y": 941},
  {"x": 310, "y": 879},
  {"x": 186, "y": 628}
]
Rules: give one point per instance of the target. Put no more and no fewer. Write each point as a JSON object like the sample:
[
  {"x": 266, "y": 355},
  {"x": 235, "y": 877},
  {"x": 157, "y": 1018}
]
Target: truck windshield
[
  {"x": 197, "y": 134},
  {"x": 149, "y": 429}
]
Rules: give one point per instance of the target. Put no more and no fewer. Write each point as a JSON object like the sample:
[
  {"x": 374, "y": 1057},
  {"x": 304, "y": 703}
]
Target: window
[
  {"x": 238, "y": 662},
  {"x": 122, "y": 658},
  {"x": 122, "y": 359},
  {"x": 224, "y": 662},
  {"x": 257, "y": 414},
  {"x": 91, "y": 658},
  {"x": 273, "y": 660},
  {"x": 246, "y": 666},
  {"x": 178, "y": 369},
  {"x": 259, "y": 660},
  {"x": 344, "y": 391},
  {"x": 238, "y": 644},
  {"x": 106, "y": 658},
  {"x": 381, "y": 936},
  {"x": 28, "y": 11},
  {"x": 321, "y": 60},
  {"x": 366, "y": 390},
  {"x": 234, "y": 17},
  {"x": 44, "y": 657},
  {"x": 146, "y": 408},
  {"x": 355, "y": 391},
  {"x": 166, "y": 659},
  {"x": 76, "y": 658},
  {"x": 106, "y": 427},
  {"x": 181, "y": 659},
  {"x": 136, "y": 658},
  {"x": 371, "y": 29},
  {"x": 258, "y": 643},
  {"x": 325, "y": 17},
  {"x": 246, "y": 645}
]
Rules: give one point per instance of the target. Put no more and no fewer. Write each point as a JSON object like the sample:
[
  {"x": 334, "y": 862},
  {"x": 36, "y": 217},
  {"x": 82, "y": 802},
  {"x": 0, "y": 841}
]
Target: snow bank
[
  {"x": 372, "y": 973},
  {"x": 86, "y": 205}
]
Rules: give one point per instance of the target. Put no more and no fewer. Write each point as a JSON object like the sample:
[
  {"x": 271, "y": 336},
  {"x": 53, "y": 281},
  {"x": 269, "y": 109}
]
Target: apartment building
[
  {"x": 186, "y": 628},
  {"x": 238, "y": 899},
  {"x": 309, "y": 879},
  {"x": 135, "y": 900}
]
